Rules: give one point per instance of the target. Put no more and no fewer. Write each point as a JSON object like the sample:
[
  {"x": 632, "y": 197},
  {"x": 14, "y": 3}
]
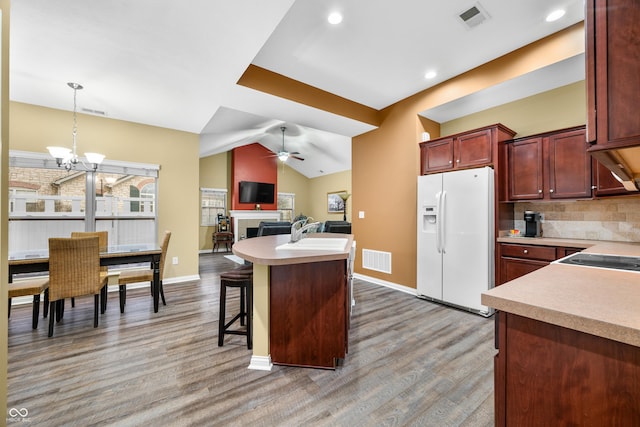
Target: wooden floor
[{"x": 410, "y": 362}]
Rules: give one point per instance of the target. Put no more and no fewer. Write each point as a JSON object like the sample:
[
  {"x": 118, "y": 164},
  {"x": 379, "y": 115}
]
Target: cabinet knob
[
  {"x": 526, "y": 251},
  {"x": 458, "y": 161},
  {"x": 539, "y": 191},
  {"x": 551, "y": 191},
  {"x": 450, "y": 162},
  {"x": 594, "y": 187}
]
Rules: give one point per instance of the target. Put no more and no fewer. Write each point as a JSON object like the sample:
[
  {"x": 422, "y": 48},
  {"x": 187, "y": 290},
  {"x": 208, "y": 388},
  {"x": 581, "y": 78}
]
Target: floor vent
[
  {"x": 474, "y": 16},
  {"x": 376, "y": 260}
]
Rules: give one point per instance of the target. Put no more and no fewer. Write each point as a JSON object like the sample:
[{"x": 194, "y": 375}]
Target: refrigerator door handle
[
  {"x": 443, "y": 215},
  {"x": 438, "y": 220}
]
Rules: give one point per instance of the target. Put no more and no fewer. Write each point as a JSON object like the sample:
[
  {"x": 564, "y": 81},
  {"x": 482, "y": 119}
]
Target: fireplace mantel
[{"x": 253, "y": 214}]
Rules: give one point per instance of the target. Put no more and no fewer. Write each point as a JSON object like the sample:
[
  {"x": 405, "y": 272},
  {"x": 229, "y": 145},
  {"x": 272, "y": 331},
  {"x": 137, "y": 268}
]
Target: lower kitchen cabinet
[
  {"x": 550, "y": 375},
  {"x": 519, "y": 259}
]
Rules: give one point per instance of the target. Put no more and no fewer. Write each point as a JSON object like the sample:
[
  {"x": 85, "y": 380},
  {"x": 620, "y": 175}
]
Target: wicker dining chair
[
  {"x": 136, "y": 276},
  {"x": 74, "y": 271},
  {"x": 35, "y": 287},
  {"x": 103, "y": 241}
]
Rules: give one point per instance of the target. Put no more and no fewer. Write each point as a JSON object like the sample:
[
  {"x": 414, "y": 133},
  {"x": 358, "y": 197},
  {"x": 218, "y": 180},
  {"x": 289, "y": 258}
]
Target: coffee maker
[{"x": 531, "y": 224}]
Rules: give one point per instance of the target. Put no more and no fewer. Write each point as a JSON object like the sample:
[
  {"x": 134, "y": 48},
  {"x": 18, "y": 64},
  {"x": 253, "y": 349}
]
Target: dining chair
[
  {"x": 35, "y": 287},
  {"x": 74, "y": 271},
  {"x": 136, "y": 276},
  {"x": 103, "y": 241}
]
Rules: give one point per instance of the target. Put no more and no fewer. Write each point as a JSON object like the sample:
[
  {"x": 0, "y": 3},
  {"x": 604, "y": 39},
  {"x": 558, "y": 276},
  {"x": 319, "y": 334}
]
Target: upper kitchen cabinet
[
  {"x": 465, "y": 150},
  {"x": 613, "y": 86},
  {"x": 604, "y": 183},
  {"x": 554, "y": 165}
]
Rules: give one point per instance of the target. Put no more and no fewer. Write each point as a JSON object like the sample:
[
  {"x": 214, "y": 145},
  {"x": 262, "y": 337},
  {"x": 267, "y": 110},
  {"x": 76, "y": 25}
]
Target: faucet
[{"x": 300, "y": 228}]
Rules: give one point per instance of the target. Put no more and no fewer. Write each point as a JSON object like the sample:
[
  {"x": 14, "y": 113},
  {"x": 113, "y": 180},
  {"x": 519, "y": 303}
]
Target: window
[
  {"x": 286, "y": 205},
  {"x": 48, "y": 201},
  {"x": 213, "y": 201}
]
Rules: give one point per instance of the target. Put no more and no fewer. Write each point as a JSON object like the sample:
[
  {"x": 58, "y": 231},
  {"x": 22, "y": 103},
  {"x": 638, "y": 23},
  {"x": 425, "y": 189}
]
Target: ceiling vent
[
  {"x": 474, "y": 16},
  {"x": 95, "y": 112}
]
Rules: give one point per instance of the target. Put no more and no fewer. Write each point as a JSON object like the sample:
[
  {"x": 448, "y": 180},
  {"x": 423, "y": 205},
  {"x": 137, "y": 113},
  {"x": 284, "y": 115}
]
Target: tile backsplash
[{"x": 615, "y": 219}]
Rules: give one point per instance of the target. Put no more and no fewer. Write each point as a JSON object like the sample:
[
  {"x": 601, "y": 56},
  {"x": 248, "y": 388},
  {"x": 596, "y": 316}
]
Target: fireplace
[{"x": 244, "y": 220}]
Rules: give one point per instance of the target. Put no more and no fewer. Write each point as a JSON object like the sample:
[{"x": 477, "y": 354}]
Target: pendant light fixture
[{"x": 68, "y": 158}]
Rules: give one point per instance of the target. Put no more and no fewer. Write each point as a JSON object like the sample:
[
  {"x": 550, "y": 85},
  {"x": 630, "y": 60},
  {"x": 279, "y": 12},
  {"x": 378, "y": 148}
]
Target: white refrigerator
[{"x": 456, "y": 238}]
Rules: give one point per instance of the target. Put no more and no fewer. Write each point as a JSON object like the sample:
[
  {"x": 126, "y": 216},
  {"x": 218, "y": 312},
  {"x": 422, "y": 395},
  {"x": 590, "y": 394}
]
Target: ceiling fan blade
[
  {"x": 295, "y": 157},
  {"x": 294, "y": 152}
]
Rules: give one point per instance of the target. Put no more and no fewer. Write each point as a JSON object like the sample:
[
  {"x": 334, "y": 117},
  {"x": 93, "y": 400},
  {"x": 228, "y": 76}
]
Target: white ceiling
[{"x": 175, "y": 64}]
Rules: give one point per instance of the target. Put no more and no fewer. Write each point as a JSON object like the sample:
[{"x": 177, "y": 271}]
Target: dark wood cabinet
[
  {"x": 550, "y": 375},
  {"x": 526, "y": 169},
  {"x": 613, "y": 77},
  {"x": 604, "y": 184},
  {"x": 465, "y": 150},
  {"x": 613, "y": 86},
  {"x": 517, "y": 259},
  {"x": 309, "y": 309},
  {"x": 553, "y": 165},
  {"x": 437, "y": 155}
]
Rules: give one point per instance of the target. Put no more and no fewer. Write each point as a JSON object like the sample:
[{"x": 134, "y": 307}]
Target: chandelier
[{"x": 68, "y": 158}]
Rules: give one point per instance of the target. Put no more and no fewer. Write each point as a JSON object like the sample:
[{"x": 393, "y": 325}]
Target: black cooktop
[{"x": 615, "y": 262}]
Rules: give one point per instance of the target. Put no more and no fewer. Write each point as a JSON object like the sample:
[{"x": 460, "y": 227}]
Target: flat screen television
[{"x": 257, "y": 192}]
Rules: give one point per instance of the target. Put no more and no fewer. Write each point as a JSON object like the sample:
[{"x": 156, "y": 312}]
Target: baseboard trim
[
  {"x": 260, "y": 363},
  {"x": 395, "y": 286}
]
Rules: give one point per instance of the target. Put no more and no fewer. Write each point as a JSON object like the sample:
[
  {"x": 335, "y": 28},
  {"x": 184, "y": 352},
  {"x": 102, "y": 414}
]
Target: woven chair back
[
  {"x": 103, "y": 240},
  {"x": 165, "y": 245},
  {"x": 74, "y": 267}
]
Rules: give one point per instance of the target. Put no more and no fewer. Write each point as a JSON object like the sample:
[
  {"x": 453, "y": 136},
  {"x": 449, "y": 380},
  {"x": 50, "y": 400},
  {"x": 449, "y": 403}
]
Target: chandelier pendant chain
[{"x": 75, "y": 87}]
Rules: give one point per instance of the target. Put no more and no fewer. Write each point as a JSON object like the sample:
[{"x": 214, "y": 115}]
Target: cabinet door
[
  {"x": 604, "y": 184},
  {"x": 437, "y": 155},
  {"x": 525, "y": 169},
  {"x": 613, "y": 61},
  {"x": 569, "y": 166},
  {"x": 473, "y": 149},
  {"x": 512, "y": 268}
]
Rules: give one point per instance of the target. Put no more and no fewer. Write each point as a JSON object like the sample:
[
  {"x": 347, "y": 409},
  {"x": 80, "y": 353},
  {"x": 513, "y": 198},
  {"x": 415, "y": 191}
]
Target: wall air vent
[
  {"x": 474, "y": 16},
  {"x": 376, "y": 260}
]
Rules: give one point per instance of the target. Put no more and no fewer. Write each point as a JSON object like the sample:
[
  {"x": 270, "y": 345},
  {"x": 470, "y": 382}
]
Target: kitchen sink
[
  {"x": 315, "y": 244},
  {"x": 612, "y": 262}
]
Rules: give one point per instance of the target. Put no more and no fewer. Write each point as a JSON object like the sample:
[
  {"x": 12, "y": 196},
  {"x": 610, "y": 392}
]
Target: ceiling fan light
[{"x": 283, "y": 156}]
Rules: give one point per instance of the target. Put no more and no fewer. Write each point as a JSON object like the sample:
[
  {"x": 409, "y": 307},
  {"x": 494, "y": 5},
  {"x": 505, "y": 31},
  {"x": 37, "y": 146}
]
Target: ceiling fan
[{"x": 284, "y": 154}]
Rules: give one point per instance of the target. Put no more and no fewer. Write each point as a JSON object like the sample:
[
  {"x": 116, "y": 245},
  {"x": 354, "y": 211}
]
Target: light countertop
[
  {"x": 262, "y": 250},
  {"x": 597, "y": 301}
]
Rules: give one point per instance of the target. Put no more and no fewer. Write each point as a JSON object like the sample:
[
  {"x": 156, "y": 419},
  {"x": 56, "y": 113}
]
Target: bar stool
[{"x": 239, "y": 278}]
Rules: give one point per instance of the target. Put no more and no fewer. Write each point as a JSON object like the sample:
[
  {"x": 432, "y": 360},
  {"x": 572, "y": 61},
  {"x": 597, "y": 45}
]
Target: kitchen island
[
  {"x": 569, "y": 344},
  {"x": 300, "y": 300}
]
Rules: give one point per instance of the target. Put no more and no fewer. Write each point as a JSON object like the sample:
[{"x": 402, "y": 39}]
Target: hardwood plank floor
[{"x": 410, "y": 362}]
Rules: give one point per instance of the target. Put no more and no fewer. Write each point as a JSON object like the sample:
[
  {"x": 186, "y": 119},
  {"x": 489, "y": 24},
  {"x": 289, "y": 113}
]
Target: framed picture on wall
[{"x": 335, "y": 204}]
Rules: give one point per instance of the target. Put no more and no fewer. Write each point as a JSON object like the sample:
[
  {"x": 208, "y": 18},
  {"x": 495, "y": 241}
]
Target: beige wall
[
  {"x": 322, "y": 185},
  {"x": 556, "y": 109},
  {"x": 291, "y": 181},
  {"x": 33, "y": 128}
]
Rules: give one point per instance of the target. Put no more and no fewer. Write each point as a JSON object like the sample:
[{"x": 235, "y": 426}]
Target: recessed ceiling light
[
  {"x": 430, "y": 74},
  {"x": 555, "y": 15},
  {"x": 334, "y": 18}
]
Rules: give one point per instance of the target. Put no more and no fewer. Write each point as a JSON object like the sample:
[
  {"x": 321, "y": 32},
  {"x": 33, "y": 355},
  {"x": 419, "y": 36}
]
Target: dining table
[{"x": 34, "y": 261}]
